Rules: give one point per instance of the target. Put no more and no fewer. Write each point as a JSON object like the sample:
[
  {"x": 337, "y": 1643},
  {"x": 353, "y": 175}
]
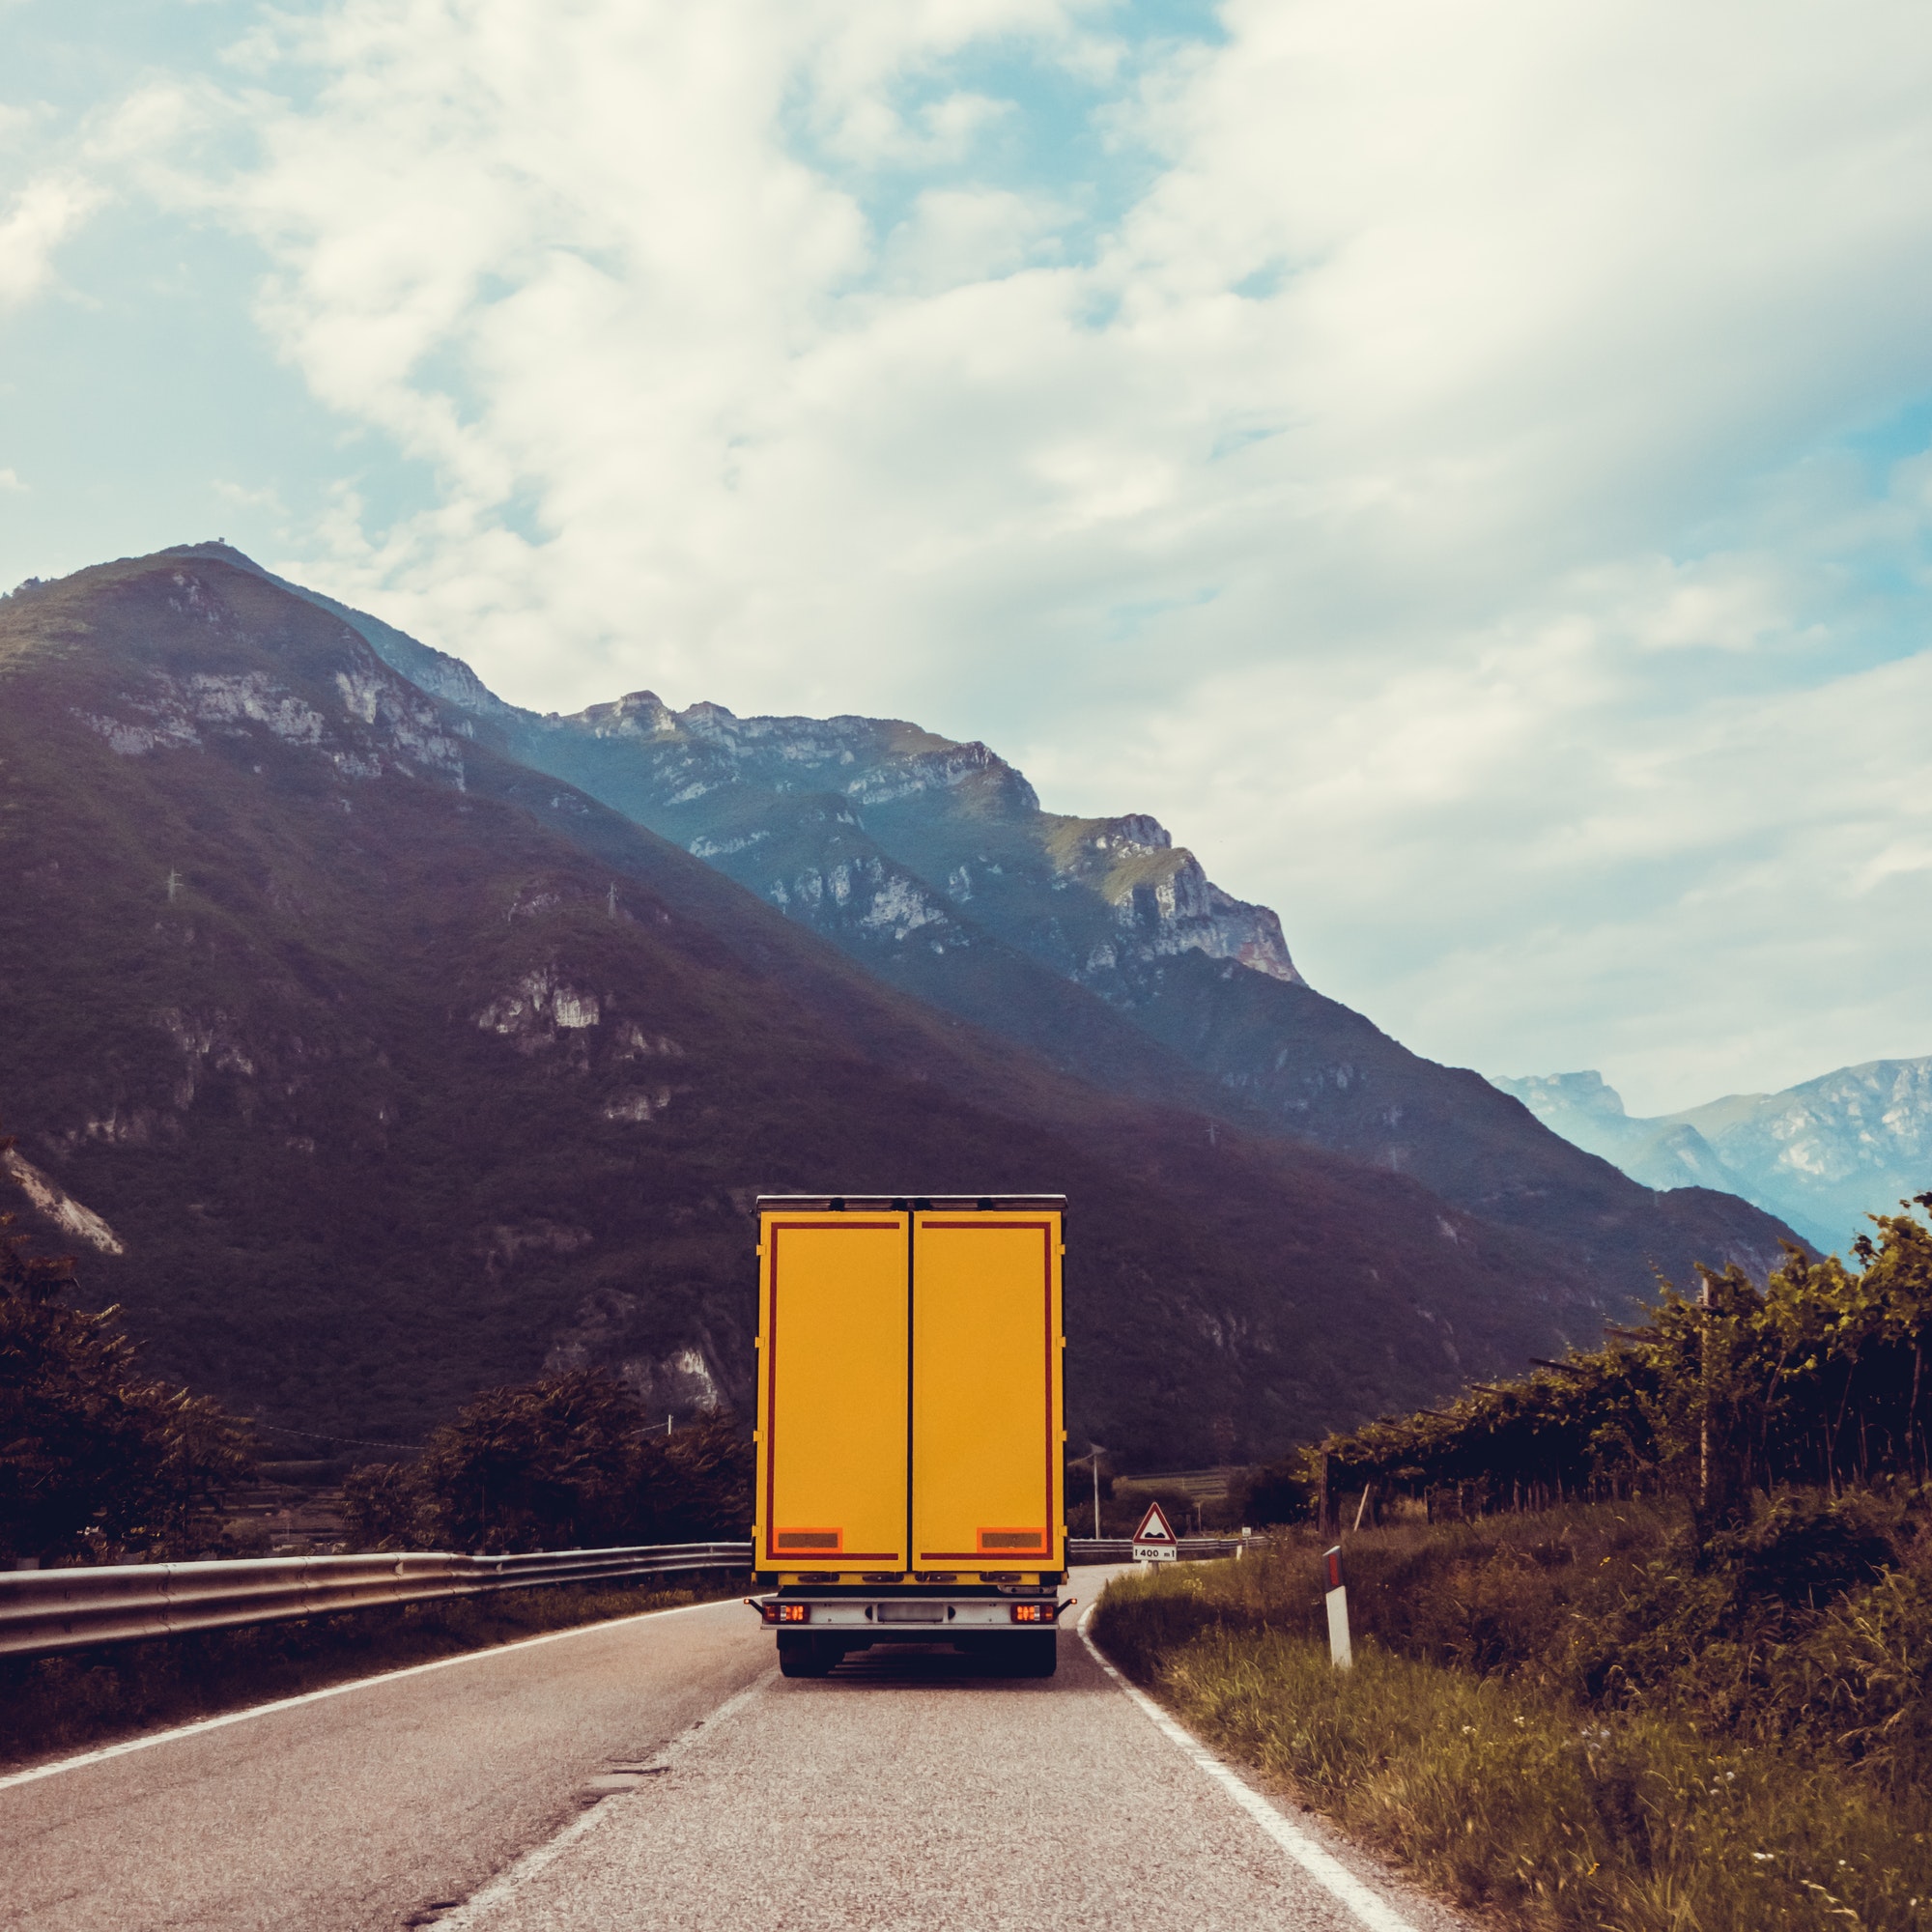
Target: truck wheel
[
  {"x": 1039, "y": 1653},
  {"x": 802, "y": 1656}
]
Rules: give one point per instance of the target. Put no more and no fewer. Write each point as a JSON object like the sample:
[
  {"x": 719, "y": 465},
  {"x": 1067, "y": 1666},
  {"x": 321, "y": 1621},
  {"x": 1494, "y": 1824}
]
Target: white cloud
[
  {"x": 1541, "y": 851},
  {"x": 1412, "y": 491},
  {"x": 263, "y": 497},
  {"x": 10, "y": 480},
  {"x": 42, "y": 215},
  {"x": 954, "y": 237},
  {"x": 874, "y": 134}
]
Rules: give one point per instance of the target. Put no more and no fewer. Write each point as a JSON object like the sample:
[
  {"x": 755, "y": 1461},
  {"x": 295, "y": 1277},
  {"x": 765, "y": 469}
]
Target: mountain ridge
[
  {"x": 1822, "y": 1154},
  {"x": 929, "y": 860},
  {"x": 396, "y": 1066}
]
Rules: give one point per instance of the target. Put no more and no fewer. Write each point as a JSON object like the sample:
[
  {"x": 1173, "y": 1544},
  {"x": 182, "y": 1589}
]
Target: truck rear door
[
  {"x": 987, "y": 1391},
  {"x": 834, "y": 1294}
]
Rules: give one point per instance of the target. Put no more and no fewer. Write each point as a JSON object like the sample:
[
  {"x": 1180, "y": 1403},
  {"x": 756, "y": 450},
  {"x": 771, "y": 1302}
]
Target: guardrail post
[{"x": 1340, "y": 1652}]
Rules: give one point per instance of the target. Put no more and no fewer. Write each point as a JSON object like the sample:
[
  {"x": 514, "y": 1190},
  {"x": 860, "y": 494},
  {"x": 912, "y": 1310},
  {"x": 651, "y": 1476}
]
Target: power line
[{"x": 311, "y": 1435}]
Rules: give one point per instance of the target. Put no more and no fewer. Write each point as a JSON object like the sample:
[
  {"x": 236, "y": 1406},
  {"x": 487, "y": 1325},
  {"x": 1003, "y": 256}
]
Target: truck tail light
[
  {"x": 1033, "y": 1613},
  {"x": 785, "y": 1613}
]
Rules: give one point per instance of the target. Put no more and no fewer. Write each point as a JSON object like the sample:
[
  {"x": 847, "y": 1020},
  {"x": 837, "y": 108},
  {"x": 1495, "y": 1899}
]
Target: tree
[
  {"x": 540, "y": 1466},
  {"x": 1289, "y": 1491},
  {"x": 383, "y": 1507},
  {"x": 96, "y": 1461},
  {"x": 567, "y": 1462}
]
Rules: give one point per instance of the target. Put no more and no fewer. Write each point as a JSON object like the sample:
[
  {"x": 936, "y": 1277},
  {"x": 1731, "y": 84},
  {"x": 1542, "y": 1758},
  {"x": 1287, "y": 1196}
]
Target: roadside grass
[
  {"x": 1567, "y": 1722},
  {"x": 52, "y": 1705}
]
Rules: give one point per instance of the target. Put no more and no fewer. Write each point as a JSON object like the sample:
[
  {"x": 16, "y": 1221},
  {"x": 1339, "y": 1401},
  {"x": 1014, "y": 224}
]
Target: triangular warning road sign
[{"x": 1154, "y": 1526}]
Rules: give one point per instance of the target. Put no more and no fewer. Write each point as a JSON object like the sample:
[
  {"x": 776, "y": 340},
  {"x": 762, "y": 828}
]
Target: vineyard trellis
[{"x": 1817, "y": 1377}]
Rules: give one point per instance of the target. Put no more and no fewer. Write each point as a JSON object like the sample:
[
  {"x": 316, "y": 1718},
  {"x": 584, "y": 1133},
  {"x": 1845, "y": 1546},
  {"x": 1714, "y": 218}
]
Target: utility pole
[
  {"x": 1719, "y": 1451},
  {"x": 1095, "y": 1452},
  {"x": 173, "y": 884},
  {"x": 611, "y": 899}
]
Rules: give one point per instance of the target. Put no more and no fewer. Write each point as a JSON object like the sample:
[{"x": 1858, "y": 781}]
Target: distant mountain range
[
  {"x": 1821, "y": 1156},
  {"x": 376, "y": 1039}
]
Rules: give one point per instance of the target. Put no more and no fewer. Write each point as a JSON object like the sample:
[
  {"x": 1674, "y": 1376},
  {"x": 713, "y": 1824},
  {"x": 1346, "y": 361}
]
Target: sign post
[
  {"x": 1340, "y": 1652},
  {"x": 1155, "y": 1540}
]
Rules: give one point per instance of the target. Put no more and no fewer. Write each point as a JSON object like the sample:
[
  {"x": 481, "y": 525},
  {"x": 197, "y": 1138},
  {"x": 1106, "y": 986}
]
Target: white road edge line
[
  {"x": 332, "y": 1691},
  {"x": 1334, "y": 1877},
  {"x": 534, "y": 1862}
]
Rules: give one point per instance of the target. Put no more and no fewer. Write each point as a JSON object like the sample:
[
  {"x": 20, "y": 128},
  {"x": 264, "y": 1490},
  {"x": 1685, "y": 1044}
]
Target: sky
[{"x": 1466, "y": 466}]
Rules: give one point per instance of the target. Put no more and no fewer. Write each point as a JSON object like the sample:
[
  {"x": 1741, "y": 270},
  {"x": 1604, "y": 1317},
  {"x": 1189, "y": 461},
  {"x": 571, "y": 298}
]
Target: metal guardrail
[
  {"x": 1120, "y": 1549},
  {"x": 47, "y": 1610},
  {"x": 43, "y": 1611}
]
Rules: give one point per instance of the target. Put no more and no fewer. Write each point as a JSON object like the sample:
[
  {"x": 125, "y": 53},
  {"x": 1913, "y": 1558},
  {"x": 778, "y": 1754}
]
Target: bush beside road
[{"x": 1587, "y": 1718}]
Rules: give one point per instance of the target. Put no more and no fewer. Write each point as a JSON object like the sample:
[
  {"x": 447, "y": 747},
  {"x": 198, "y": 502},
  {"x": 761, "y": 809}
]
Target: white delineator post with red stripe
[{"x": 1340, "y": 1652}]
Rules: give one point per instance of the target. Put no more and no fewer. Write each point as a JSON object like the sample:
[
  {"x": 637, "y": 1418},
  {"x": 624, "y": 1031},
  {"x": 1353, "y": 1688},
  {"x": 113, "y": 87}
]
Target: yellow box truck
[{"x": 910, "y": 1425}]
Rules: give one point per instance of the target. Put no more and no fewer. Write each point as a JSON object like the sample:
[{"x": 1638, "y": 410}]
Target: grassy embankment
[
  {"x": 1582, "y": 1719},
  {"x": 87, "y": 1698}
]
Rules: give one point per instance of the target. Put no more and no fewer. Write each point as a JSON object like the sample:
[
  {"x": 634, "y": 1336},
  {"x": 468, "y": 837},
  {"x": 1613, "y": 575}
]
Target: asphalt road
[{"x": 659, "y": 1774}]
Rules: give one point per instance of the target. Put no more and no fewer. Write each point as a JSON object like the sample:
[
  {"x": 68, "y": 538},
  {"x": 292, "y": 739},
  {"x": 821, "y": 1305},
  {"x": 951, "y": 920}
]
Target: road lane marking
[
  {"x": 505, "y": 1886},
  {"x": 1328, "y": 1872},
  {"x": 128, "y": 1744}
]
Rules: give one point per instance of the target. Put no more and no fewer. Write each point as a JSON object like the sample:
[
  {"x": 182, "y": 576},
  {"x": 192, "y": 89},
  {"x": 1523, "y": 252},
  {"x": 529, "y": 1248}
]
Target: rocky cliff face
[
  {"x": 1821, "y": 1156},
  {"x": 1113, "y": 895},
  {"x": 1163, "y": 903}
]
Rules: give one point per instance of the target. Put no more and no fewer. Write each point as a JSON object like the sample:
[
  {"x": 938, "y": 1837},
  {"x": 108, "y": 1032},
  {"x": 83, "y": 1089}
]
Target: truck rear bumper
[{"x": 911, "y": 1619}]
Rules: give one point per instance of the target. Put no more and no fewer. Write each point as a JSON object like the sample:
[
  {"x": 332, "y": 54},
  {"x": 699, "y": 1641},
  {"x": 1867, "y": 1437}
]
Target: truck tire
[{"x": 803, "y": 1656}]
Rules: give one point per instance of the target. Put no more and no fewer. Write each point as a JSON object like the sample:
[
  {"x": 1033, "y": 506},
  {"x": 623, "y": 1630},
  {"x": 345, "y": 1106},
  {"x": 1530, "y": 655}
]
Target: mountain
[
  {"x": 1095, "y": 942},
  {"x": 1821, "y": 1156},
  {"x": 367, "y": 1065}
]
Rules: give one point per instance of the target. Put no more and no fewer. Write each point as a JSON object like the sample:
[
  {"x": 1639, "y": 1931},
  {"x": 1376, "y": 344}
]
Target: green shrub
[
  {"x": 1505, "y": 1799},
  {"x": 569, "y": 1461},
  {"x": 96, "y": 1462},
  {"x": 1282, "y": 1492},
  {"x": 1592, "y": 1716}
]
